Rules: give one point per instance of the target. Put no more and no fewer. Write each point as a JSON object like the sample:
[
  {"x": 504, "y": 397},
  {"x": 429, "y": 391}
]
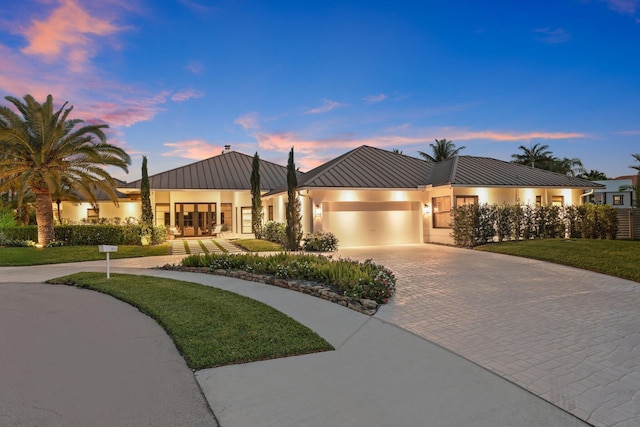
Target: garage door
[{"x": 372, "y": 223}]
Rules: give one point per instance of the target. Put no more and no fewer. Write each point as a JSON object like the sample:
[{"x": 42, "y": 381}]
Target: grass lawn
[
  {"x": 10, "y": 256},
  {"x": 210, "y": 327},
  {"x": 255, "y": 245},
  {"x": 620, "y": 258}
]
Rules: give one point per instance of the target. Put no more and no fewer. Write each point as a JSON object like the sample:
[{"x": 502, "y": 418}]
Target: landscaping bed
[{"x": 360, "y": 286}]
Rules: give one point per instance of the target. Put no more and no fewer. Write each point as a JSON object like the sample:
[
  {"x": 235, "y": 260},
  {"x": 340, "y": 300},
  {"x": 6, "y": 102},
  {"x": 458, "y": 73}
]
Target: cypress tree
[
  {"x": 294, "y": 217},
  {"x": 147, "y": 211},
  {"x": 256, "y": 198}
]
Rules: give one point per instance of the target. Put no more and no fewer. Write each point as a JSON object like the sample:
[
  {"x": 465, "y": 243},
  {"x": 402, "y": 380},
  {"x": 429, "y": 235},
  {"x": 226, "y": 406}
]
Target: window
[
  {"x": 270, "y": 213},
  {"x": 538, "y": 201},
  {"x": 557, "y": 200},
  {"x": 226, "y": 219},
  {"x": 618, "y": 199},
  {"x": 466, "y": 200},
  {"x": 93, "y": 214},
  {"x": 245, "y": 214},
  {"x": 441, "y": 212}
]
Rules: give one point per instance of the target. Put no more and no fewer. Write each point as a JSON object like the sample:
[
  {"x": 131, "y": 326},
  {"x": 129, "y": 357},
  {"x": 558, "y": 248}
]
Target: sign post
[{"x": 107, "y": 249}]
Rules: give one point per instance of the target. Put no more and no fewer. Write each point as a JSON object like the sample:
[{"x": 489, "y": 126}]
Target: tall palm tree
[
  {"x": 565, "y": 166},
  {"x": 532, "y": 155},
  {"x": 636, "y": 167},
  {"x": 441, "y": 150},
  {"x": 44, "y": 149},
  {"x": 593, "y": 175}
]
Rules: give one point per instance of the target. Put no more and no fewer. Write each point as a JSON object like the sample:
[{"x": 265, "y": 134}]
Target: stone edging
[{"x": 364, "y": 306}]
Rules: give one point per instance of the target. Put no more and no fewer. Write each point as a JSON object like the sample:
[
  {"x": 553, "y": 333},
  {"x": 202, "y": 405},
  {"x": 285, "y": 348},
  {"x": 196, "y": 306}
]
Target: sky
[{"x": 178, "y": 80}]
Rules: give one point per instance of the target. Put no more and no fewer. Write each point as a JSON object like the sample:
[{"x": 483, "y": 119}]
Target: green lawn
[
  {"x": 620, "y": 258},
  {"x": 209, "y": 326},
  {"x": 255, "y": 245},
  {"x": 10, "y": 256}
]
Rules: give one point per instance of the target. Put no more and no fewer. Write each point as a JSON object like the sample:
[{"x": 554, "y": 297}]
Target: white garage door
[{"x": 372, "y": 223}]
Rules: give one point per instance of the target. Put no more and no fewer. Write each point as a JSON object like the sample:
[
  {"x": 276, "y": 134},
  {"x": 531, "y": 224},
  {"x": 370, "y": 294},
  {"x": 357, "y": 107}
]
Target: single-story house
[
  {"x": 616, "y": 192},
  {"x": 367, "y": 196}
]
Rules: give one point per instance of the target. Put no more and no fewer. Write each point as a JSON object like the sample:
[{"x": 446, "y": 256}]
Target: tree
[
  {"x": 593, "y": 175},
  {"x": 256, "y": 198},
  {"x": 535, "y": 155},
  {"x": 61, "y": 194},
  {"x": 294, "y": 216},
  {"x": 43, "y": 146},
  {"x": 441, "y": 150},
  {"x": 397, "y": 151},
  {"x": 147, "y": 210},
  {"x": 637, "y": 186},
  {"x": 565, "y": 166}
]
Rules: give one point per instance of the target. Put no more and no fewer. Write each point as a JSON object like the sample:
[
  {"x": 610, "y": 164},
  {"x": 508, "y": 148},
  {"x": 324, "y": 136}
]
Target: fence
[{"x": 629, "y": 223}]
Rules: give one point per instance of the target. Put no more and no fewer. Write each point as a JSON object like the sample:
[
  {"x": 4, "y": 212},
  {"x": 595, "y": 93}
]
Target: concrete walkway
[
  {"x": 379, "y": 375},
  {"x": 570, "y": 336}
]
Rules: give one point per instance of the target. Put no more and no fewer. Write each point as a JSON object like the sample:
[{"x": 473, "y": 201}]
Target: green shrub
[
  {"x": 275, "y": 232},
  {"x": 19, "y": 243},
  {"x": 320, "y": 242},
  {"x": 351, "y": 278}
]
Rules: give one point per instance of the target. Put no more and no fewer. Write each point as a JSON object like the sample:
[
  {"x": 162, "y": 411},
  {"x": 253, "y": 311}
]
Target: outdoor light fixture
[
  {"x": 318, "y": 210},
  {"x": 426, "y": 209}
]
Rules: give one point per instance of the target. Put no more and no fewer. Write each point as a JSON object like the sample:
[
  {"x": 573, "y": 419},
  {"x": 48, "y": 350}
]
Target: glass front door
[{"x": 195, "y": 219}]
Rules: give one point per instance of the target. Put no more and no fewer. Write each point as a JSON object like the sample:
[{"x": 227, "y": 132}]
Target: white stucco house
[{"x": 367, "y": 196}]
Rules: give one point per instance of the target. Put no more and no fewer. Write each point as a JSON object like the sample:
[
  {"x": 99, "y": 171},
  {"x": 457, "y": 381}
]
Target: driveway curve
[
  {"x": 570, "y": 336},
  {"x": 73, "y": 357}
]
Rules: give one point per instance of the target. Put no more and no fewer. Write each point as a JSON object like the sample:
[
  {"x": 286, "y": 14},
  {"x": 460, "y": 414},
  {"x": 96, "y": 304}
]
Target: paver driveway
[{"x": 567, "y": 335}]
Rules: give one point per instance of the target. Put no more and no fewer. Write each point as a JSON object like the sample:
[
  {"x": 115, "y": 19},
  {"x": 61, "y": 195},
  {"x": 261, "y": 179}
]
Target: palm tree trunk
[{"x": 44, "y": 217}]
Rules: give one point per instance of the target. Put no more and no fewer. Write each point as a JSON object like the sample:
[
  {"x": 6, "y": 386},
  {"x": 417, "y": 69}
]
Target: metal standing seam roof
[
  {"x": 473, "y": 171},
  {"x": 368, "y": 167},
  {"x": 227, "y": 171}
]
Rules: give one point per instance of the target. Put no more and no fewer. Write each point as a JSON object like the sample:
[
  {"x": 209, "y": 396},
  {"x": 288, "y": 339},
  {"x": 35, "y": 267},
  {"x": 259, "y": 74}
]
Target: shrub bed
[
  {"x": 359, "y": 280},
  {"x": 320, "y": 242},
  {"x": 73, "y": 235}
]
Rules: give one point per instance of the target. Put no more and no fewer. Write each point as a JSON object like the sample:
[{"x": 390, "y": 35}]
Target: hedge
[{"x": 78, "y": 235}]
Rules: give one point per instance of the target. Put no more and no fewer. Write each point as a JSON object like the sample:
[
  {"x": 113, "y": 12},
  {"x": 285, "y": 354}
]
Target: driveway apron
[{"x": 570, "y": 336}]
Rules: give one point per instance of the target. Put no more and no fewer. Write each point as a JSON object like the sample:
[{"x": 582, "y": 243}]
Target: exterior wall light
[
  {"x": 426, "y": 209},
  {"x": 318, "y": 210}
]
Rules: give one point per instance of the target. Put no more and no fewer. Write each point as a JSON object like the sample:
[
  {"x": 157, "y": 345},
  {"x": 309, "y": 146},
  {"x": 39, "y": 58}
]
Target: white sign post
[{"x": 108, "y": 249}]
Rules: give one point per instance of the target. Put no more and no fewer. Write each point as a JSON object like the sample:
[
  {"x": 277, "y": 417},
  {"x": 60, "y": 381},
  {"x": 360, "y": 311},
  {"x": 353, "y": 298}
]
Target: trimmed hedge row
[
  {"x": 478, "y": 224},
  {"x": 78, "y": 235}
]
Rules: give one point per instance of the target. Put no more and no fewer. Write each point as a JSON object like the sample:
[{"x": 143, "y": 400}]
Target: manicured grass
[
  {"x": 10, "y": 256},
  {"x": 209, "y": 326},
  {"x": 620, "y": 258},
  {"x": 255, "y": 245}
]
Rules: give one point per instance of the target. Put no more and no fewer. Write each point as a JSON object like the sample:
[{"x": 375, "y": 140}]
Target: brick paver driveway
[{"x": 567, "y": 335}]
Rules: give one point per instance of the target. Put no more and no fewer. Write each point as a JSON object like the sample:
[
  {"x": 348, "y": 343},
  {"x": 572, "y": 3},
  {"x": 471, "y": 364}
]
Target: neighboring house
[
  {"x": 616, "y": 192},
  {"x": 367, "y": 196},
  {"x": 371, "y": 196}
]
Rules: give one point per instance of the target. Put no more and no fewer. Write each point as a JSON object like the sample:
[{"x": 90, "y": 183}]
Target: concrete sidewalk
[{"x": 379, "y": 375}]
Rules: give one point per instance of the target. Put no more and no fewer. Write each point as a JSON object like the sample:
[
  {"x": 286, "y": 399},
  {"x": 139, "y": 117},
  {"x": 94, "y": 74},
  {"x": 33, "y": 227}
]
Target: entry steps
[{"x": 194, "y": 246}]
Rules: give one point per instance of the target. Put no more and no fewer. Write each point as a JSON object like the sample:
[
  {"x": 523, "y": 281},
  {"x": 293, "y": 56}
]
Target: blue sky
[{"x": 178, "y": 80}]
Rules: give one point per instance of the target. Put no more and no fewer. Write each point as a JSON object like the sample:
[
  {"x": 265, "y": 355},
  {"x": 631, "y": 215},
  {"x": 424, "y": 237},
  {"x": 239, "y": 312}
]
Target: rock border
[{"x": 364, "y": 306}]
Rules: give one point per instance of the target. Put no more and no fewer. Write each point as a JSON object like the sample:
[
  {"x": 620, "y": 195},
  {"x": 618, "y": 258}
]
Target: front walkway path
[{"x": 568, "y": 335}]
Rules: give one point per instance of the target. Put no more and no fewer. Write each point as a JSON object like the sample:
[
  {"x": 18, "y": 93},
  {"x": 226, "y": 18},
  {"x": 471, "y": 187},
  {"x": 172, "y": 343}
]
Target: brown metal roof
[
  {"x": 227, "y": 171},
  {"x": 368, "y": 167},
  {"x": 469, "y": 171}
]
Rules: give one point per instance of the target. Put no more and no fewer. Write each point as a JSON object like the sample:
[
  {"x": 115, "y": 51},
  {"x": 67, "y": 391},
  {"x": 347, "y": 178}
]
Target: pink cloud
[
  {"x": 197, "y": 149},
  {"x": 373, "y": 99},
  {"x": 462, "y": 134},
  {"x": 66, "y": 35},
  {"x": 186, "y": 94},
  {"x": 327, "y": 105},
  {"x": 248, "y": 121}
]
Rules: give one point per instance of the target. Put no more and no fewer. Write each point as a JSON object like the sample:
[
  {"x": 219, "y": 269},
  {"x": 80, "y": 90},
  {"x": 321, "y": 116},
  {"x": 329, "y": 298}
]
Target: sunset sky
[{"x": 178, "y": 80}]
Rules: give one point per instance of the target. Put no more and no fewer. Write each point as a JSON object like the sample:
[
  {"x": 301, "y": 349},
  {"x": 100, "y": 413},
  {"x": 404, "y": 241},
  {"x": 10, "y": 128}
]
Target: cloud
[
  {"x": 195, "y": 67},
  {"x": 627, "y": 7},
  {"x": 122, "y": 111},
  {"x": 462, "y": 134},
  {"x": 550, "y": 36},
  {"x": 186, "y": 94},
  {"x": 66, "y": 35},
  {"x": 248, "y": 121},
  {"x": 327, "y": 105},
  {"x": 374, "y": 99},
  {"x": 197, "y": 149}
]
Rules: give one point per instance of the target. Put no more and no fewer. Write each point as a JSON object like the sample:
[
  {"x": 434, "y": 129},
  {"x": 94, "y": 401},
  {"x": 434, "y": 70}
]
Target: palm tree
[
  {"x": 441, "y": 150},
  {"x": 593, "y": 175},
  {"x": 636, "y": 167},
  {"x": 44, "y": 149},
  {"x": 531, "y": 155},
  {"x": 565, "y": 166},
  {"x": 637, "y": 186}
]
